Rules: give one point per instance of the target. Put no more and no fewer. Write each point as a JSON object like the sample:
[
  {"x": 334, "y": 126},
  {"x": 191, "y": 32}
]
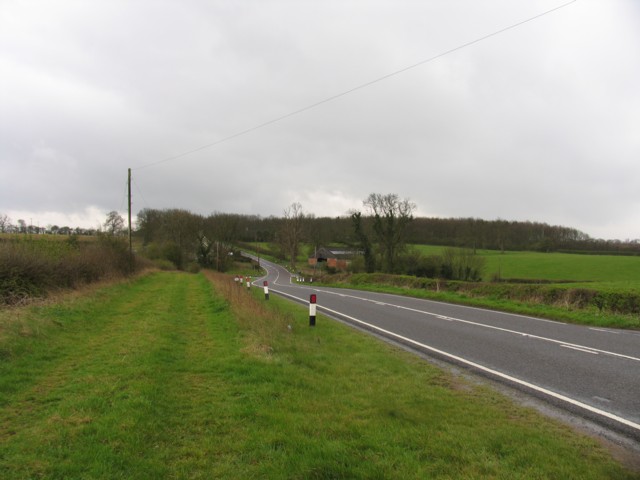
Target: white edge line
[{"x": 550, "y": 393}]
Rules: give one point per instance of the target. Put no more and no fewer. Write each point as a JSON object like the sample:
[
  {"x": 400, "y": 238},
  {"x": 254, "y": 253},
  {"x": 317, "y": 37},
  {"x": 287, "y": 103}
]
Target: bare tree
[
  {"x": 114, "y": 224},
  {"x": 5, "y": 223},
  {"x": 462, "y": 264},
  {"x": 391, "y": 216},
  {"x": 363, "y": 240},
  {"x": 292, "y": 231}
]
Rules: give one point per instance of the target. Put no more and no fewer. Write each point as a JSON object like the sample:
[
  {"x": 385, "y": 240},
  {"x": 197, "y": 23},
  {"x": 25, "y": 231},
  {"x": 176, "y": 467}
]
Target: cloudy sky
[{"x": 540, "y": 122}]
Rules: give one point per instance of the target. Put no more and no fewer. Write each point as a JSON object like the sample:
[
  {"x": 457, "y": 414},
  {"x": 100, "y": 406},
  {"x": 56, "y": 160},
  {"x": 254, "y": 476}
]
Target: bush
[
  {"x": 618, "y": 302},
  {"x": 163, "y": 264},
  {"x": 193, "y": 267}
]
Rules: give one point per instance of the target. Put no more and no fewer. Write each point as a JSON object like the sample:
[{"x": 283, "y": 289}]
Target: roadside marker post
[
  {"x": 266, "y": 290},
  {"x": 312, "y": 310},
  {"x": 248, "y": 283}
]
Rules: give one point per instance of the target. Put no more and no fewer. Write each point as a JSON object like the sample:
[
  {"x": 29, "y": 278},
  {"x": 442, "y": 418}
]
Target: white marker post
[
  {"x": 266, "y": 290},
  {"x": 312, "y": 310},
  {"x": 248, "y": 283}
]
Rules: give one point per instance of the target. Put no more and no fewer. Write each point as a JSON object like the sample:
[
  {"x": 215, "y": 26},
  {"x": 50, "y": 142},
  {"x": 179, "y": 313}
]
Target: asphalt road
[{"x": 594, "y": 372}]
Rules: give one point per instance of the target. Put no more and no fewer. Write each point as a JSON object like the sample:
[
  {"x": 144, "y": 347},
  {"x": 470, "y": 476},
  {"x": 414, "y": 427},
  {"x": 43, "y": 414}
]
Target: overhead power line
[{"x": 354, "y": 89}]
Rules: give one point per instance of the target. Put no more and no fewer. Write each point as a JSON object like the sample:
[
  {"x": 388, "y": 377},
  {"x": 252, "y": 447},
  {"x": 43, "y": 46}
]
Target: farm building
[{"x": 333, "y": 258}]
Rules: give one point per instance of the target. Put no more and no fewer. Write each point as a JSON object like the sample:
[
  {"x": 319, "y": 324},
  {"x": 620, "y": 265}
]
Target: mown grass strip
[{"x": 167, "y": 377}]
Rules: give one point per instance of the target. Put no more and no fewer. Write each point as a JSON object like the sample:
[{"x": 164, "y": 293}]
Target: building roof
[{"x": 324, "y": 253}]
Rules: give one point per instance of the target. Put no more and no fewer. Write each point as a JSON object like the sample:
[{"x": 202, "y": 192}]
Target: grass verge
[{"x": 169, "y": 377}]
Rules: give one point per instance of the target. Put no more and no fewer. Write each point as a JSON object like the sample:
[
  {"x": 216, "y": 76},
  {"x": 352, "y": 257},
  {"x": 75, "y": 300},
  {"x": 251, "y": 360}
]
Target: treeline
[
  {"x": 21, "y": 227},
  {"x": 512, "y": 235},
  {"x": 185, "y": 238},
  {"x": 454, "y": 232}
]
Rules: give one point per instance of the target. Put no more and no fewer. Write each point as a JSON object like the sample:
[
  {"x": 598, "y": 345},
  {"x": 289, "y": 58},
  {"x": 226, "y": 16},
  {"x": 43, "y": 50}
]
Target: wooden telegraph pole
[{"x": 129, "y": 202}]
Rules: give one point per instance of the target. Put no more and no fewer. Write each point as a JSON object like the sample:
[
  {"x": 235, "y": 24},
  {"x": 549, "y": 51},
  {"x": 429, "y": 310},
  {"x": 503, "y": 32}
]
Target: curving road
[{"x": 591, "y": 371}]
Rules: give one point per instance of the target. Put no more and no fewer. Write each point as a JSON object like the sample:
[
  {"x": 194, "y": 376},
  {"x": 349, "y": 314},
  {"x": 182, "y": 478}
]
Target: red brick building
[{"x": 332, "y": 258}]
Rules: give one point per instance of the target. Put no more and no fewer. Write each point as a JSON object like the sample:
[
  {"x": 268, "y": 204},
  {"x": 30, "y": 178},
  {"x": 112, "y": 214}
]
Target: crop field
[{"x": 176, "y": 375}]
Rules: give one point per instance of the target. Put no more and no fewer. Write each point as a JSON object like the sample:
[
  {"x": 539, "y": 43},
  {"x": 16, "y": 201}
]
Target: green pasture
[{"x": 623, "y": 270}]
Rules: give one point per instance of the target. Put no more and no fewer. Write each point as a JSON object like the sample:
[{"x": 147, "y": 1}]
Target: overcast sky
[{"x": 539, "y": 123}]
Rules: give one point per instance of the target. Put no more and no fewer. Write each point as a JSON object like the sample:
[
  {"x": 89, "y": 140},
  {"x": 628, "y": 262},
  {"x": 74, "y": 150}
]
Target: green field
[
  {"x": 168, "y": 376},
  {"x": 556, "y": 266},
  {"x": 45, "y": 237}
]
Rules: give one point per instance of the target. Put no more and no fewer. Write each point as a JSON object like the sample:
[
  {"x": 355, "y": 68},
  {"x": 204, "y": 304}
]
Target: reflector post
[{"x": 312, "y": 310}]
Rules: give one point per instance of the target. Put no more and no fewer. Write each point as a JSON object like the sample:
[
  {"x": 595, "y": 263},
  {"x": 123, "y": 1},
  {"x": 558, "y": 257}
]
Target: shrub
[
  {"x": 163, "y": 264},
  {"x": 193, "y": 267}
]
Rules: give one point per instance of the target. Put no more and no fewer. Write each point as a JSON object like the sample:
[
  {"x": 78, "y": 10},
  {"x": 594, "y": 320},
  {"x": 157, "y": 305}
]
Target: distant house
[{"x": 333, "y": 257}]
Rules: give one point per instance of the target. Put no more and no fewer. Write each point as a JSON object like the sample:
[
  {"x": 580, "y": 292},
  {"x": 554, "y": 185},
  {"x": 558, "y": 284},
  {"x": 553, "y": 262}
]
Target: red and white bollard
[
  {"x": 266, "y": 290},
  {"x": 312, "y": 310},
  {"x": 248, "y": 282}
]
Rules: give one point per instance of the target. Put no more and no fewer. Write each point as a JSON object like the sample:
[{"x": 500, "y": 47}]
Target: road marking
[
  {"x": 579, "y": 349},
  {"x": 602, "y": 399},
  {"x": 603, "y": 330},
  {"x": 464, "y": 361}
]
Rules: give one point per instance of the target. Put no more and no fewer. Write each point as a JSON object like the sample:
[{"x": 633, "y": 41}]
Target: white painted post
[
  {"x": 266, "y": 290},
  {"x": 312, "y": 310}
]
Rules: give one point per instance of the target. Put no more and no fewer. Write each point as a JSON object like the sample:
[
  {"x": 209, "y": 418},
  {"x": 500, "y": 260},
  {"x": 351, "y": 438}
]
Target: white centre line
[
  {"x": 579, "y": 349},
  {"x": 603, "y": 330}
]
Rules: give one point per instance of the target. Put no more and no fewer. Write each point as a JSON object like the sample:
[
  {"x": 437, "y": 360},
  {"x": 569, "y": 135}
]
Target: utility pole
[
  {"x": 130, "y": 246},
  {"x": 257, "y": 248}
]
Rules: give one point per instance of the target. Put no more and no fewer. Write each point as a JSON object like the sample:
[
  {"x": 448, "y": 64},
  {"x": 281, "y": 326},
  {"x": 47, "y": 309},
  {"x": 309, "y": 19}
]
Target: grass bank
[{"x": 168, "y": 376}]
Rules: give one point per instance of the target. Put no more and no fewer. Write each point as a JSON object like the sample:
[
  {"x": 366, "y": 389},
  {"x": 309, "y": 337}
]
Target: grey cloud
[{"x": 539, "y": 123}]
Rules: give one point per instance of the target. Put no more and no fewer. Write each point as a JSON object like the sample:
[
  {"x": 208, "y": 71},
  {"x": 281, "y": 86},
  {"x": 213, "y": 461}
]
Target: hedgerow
[{"x": 34, "y": 267}]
